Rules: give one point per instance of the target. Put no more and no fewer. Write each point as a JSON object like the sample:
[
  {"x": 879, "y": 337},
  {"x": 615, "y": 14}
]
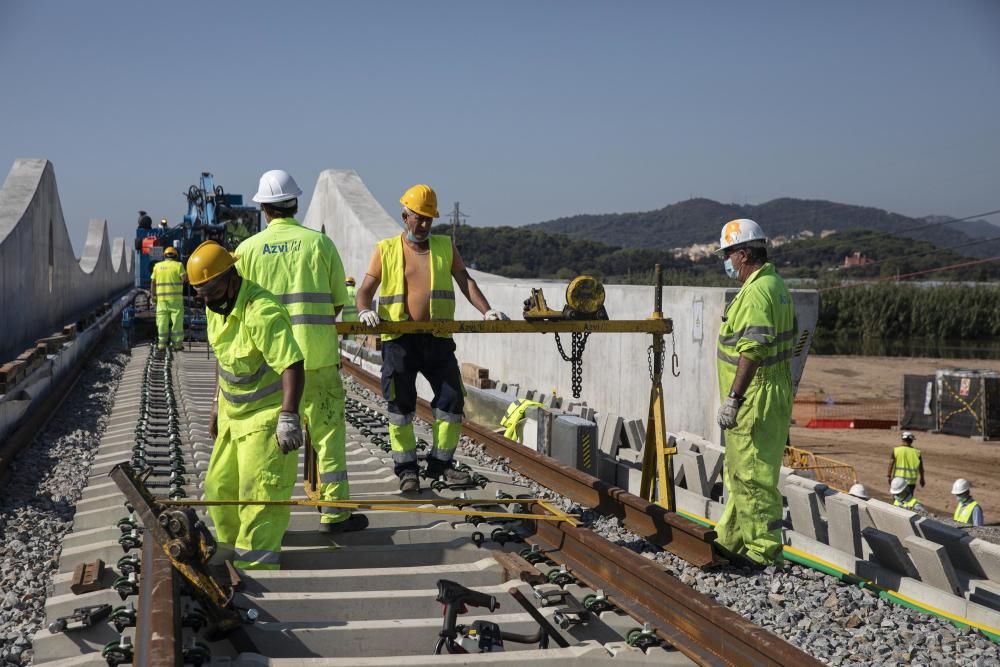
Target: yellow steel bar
[
  {"x": 449, "y": 502},
  {"x": 658, "y": 458},
  {"x": 549, "y": 507},
  {"x": 659, "y": 325}
]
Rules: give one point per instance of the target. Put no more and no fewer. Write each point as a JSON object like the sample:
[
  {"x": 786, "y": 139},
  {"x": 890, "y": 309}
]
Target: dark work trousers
[{"x": 434, "y": 357}]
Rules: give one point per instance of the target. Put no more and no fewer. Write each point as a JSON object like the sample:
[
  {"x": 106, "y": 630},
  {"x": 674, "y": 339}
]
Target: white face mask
[{"x": 731, "y": 270}]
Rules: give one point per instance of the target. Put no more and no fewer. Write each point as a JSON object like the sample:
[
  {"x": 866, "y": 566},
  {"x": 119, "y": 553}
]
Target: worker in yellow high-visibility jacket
[
  {"x": 167, "y": 287},
  {"x": 417, "y": 272},
  {"x": 255, "y": 416},
  {"x": 907, "y": 462},
  {"x": 968, "y": 510},
  {"x": 303, "y": 270},
  {"x": 755, "y": 381}
]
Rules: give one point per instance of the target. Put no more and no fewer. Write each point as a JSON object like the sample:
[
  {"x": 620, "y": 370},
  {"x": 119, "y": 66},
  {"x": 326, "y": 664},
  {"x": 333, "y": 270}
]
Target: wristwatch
[{"x": 738, "y": 397}]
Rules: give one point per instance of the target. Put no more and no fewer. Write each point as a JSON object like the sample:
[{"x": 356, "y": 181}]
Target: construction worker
[
  {"x": 754, "y": 348},
  {"x": 415, "y": 270},
  {"x": 255, "y": 414},
  {"x": 163, "y": 224},
  {"x": 167, "y": 288},
  {"x": 902, "y": 495},
  {"x": 907, "y": 462},
  {"x": 302, "y": 268},
  {"x": 350, "y": 312},
  {"x": 145, "y": 222},
  {"x": 968, "y": 510},
  {"x": 859, "y": 491}
]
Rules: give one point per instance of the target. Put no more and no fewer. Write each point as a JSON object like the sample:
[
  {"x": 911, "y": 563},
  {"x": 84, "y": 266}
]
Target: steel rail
[
  {"x": 158, "y": 617},
  {"x": 670, "y": 531}
]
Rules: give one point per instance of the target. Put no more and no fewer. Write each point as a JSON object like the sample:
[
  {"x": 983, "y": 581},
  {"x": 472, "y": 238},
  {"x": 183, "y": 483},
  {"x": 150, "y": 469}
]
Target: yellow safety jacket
[
  {"x": 254, "y": 344},
  {"x": 392, "y": 293},
  {"x": 758, "y": 324},
  {"x": 350, "y": 311},
  {"x": 515, "y": 415},
  {"x": 907, "y": 463},
  {"x": 169, "y": 283},
  {"x": 302, "y": 268},
  {"x": 963, "y": 513}
]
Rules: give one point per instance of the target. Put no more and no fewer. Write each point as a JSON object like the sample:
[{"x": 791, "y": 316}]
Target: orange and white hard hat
[{"x": 741, "y": 232}]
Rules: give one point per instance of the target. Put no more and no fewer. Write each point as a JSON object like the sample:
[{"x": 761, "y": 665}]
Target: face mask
[
  {"x": 224, "y": 305},
  {"x": 730, "y": 269},
  {"x": 411, "y": 238}
]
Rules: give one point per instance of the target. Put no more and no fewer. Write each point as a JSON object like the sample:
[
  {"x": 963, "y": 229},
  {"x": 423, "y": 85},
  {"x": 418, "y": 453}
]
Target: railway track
[{"x": 370, "y": 597}]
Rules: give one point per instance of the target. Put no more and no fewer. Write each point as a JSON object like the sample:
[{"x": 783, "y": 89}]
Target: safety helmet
[
  {"x": 859, "y": 491},
  {"x": 208, "y": 261},
  {"x": 276, "y": 185},
  {"x": 741, "y": 232},
  {"x": 907, "y": 435},
  {"x": 170, "y": 251},
  {"x": 960, "y": 486},
  {"x": 422, "y": 200},
  {"x": 163, "y": 222},
  {"x": 897, "y": 485},
  {"x": 349, "y": 281}
]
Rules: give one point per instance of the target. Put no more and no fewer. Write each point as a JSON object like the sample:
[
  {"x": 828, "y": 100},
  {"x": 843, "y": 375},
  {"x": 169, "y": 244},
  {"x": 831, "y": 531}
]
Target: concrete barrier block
[
  {"x": 889, "y": 552},
  {"x": 714, "y": 460},
  {"x": 806, "y": 519},
  {"x": 933, "y": 597},
  {"x": 715, "y": 510},
  {"x": 985, "y": 593},
  {"x": 956, "y": 541},
  {"x": 832, "y": 555},
  {"x": 891, "y": 519},
  {"x": 979, "y": 613},
  {"x": 691, "y": 502},
  {"x": 692, "y": 467},
  {"x": 987, "y": 555},
  {"x": 844, "y": 525},
  {"x": 574, "y": 443},
  {"x": 630, "y": 456},
  {"x": 932, "y": 563},
  {"x": 609, "y": 430},
  {"x": 635, "y": 433},
  {"x": 629, "y": 477}
]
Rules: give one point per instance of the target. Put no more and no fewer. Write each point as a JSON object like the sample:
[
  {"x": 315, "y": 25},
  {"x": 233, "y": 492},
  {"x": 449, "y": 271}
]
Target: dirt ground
[{"x": 878, "y": 380}]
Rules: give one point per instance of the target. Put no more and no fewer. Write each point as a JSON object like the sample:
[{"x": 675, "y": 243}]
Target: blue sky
[{"x": 523, "y": 111}]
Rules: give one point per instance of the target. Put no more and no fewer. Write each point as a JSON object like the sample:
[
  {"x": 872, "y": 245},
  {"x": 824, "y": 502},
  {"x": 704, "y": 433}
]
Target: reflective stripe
[
  {"x": 447, "y": 416},
  {"x": 305, "y": 297},
  {"x": 158, "y": 283},
  {"x": 443, "y": 455},
  {"x": 160, "y": 292},
  {"x": 392, "y": 298},
  {"x": 260, "y": 556},
  {"x": 443, "y": 294},
  {"x": 757, "y": 335},
  {"x": 404, "y": 457},
  {"x": 331, "y": 477},
  {"x": 400, "y": 420},
  {"x": 237, "y": 399},
  {"x": 313, "y": 319},
  {"x": 243, "y": 379},
  {"x": 784, "y": 355}
]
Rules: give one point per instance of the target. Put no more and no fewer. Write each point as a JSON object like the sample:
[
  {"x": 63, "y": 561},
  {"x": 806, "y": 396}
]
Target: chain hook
[{"x": 675, "y": 362}]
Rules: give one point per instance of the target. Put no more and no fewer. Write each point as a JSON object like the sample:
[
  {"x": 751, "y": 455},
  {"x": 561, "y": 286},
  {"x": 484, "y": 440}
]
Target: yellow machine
[{"x": 584, "y": 301}]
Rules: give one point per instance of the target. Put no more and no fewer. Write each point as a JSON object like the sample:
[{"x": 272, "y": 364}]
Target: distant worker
[
  {"x": 302, "y": 268},
  {"x": 145, "y": 222},
  {"x": 859, "y": 491},
  {"x": 415, "y": 270},
  {"x": 902, "y": 495},
  {"x": 968, "y": 510},
  {"x": 255, "y": 414},
  {"x": 163, "y": 224},
  {"x": 755, "y": 383},
  {"x": 167, "y": 288},
  {"x": 907, "y": 462},
  {"x": 350, "y": 312}
]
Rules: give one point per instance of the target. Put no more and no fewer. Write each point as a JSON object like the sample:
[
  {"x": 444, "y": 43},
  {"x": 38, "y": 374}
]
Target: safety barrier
[{"x": 833, "y": 473}]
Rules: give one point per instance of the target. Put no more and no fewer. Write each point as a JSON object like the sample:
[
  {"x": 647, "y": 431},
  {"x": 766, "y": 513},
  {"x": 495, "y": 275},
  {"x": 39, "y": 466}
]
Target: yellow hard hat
[
  {"x": 422, "y": 200},
  {"x": 170, "y": 251},
  {"x": 208, "y": 261},
  {"x": 349, "y": 281}
]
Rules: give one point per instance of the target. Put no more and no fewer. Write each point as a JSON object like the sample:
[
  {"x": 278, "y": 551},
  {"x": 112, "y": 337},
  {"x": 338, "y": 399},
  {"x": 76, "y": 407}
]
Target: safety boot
[
  {"x": 409, "y": 481},
  {"x": 454, "y": 477},
  {"x": 353, "y": 523}
]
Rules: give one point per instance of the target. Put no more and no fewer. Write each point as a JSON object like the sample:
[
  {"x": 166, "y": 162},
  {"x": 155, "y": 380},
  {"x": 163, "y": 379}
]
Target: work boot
[
  {"x": 352, "y": 524},
  {"x": 455, "y": 477},
  {"x": 409, "y": 481}
]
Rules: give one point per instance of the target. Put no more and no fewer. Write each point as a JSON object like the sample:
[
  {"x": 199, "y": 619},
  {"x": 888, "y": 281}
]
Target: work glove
[
  {"x": 495, "y": 315},
  {"x": 727, "y": 413},
  {"x": 369, "y": 317},
  {"x": 289, "y": 432}
]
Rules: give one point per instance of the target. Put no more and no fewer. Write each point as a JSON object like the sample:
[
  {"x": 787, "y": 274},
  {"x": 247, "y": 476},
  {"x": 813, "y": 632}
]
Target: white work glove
[
  {"x": 727, "y": 413},
  {"x": 495, "y": 315},
  {"x": 369, "y": 317},
  {"x": 289, "y": 432}
]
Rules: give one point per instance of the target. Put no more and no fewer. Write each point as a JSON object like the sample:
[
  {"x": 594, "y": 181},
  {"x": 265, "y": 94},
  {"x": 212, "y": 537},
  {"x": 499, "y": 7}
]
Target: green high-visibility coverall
[
  {"x": 254, "y": 345},
  {"x": 169, "y": 278},
  {"x": 303, "y": 270},
  {"x": 759, "y": 324}
]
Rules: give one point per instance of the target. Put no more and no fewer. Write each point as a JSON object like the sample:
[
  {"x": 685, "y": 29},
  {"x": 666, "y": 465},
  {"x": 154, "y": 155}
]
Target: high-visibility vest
[
  {"x": 759, "y": 324},
  {"x": 963, "y": 513},
  {"x": 169, "y": 283},
  {"x": 350, "y": 311},
  {"x": 515, "y": 415},
  {"x": 253, "y": 345},
  {"x": 392, "y": 293},
  {"x": 907, "y": 463},
  {"x": 303, "y": 270},
  {"x": 909, "y": 503}
]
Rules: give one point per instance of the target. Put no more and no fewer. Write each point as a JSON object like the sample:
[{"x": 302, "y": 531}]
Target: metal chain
[
  {"x": 579, "y": 342},
  {"x": 675, "y": 362}
]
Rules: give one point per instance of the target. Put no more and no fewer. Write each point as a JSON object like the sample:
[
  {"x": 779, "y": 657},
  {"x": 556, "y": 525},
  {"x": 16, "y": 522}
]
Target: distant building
[{"x": 857, "y": 259}]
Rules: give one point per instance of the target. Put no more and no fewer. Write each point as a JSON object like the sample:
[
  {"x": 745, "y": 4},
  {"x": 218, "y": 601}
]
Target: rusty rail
[
  {"x": 158, "y": 617},
  {"x": 667, "y": 530}
]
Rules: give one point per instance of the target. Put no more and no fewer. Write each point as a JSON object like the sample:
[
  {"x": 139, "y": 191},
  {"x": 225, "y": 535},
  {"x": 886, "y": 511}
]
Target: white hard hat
[
  {"x": 739, "y": 232},
  {"x": 960, "y": 486},
  {"x": 859, "y": 491},
  {"x": 907, "y": 435},
  {"x": 276, "y": 185},
  {"x": 897, "y": 485}
]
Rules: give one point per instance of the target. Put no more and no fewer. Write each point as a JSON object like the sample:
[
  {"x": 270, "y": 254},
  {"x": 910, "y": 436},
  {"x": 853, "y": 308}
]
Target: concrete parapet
[
  {"x": 844, "y": 525},
  {"x": 932, "y": 563},
  {"x": 889, "y": 552},
  {"x": 956, "y": 541},
  {"x": 804, "y": 507},
  {"x": 987, "y": 556},
  {"x": 900, "y": 522}
]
